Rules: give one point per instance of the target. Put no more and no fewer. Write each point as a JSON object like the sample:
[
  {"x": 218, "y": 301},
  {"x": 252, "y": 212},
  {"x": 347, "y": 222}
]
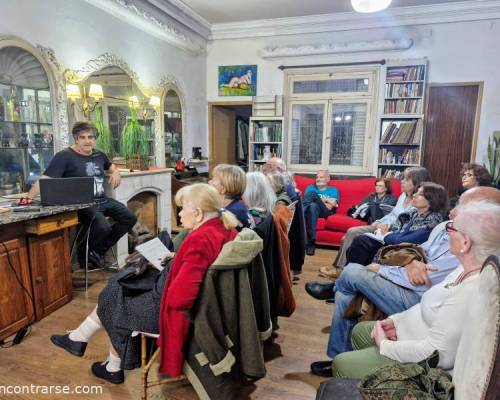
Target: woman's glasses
[
  {"x": 467, "y": 175},
  {"x": 449, "y": 227}
]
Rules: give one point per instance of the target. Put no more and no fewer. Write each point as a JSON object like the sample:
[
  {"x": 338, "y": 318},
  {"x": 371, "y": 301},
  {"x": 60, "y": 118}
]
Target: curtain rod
[{"x": 381, "y": 62}]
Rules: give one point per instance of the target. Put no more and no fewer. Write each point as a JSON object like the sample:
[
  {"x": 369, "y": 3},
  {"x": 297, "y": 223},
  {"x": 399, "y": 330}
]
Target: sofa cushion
[
  {"x": 340, "y": 222},
  {"x": 321, "y": 225}
]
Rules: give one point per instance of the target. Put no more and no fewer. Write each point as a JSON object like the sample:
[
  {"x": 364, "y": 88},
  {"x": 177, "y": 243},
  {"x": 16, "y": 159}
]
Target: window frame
[{"x": 370, "y": 98}]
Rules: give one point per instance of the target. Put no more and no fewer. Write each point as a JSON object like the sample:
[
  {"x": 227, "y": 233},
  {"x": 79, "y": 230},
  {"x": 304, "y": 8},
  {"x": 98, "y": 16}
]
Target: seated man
[
  {"x": 82, "y": 160},
  {"x": 391, "y": 289},
  {"x": 320, "y": 200}
]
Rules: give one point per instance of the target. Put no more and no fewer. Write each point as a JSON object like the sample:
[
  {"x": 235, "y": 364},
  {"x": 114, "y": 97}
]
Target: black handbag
[{"x": 136, "y": 280}]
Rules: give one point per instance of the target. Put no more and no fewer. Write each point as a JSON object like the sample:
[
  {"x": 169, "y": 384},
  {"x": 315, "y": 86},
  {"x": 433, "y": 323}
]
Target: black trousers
[
  {"x": 362, "y": 250},
  {"x": 103, "y": 234}
]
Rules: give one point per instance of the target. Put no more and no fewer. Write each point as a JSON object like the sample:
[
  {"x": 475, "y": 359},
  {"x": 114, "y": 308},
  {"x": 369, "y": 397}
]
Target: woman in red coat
[{"x": 211, "y": 227}]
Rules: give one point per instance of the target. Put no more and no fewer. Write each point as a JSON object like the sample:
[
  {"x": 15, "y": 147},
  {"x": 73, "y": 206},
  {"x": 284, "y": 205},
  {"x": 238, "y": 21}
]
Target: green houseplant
[
  {"x": 105, "y": 139},
  {"x": 133, "y": 143},
  {"x": 493, "y": 154}
]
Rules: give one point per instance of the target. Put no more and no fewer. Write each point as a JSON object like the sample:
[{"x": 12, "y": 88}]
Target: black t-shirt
[{"x": 70, "y": 164}]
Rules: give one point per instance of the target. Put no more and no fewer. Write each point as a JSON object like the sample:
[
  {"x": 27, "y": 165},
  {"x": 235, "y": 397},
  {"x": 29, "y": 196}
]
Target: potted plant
[
  {"x": 105, "y": 139},
  {"x": 133, "y": 143},
  {"x": 493, "y": 154}
]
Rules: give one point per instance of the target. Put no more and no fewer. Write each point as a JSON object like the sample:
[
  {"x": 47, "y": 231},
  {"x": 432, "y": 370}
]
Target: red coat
[{"x": 198, "y": 251}]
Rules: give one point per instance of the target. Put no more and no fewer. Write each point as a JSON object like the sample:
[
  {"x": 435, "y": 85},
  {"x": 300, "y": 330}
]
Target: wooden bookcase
[
  {"x": 402, "y": 123},
  {"x": 265, "y": 140}
]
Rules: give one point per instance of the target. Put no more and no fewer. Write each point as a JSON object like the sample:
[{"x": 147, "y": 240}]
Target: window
[{"x": 330, "y": 120}]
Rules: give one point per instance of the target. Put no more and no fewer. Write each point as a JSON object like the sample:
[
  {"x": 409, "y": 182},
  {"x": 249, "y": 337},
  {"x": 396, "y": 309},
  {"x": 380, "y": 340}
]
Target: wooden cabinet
[
  {"x": 16, "y": 309},
  {"x": 50, "y": 271}
]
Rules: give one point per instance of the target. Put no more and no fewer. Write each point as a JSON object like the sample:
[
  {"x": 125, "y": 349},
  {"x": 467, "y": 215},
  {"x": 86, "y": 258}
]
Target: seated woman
[
  {"x": 436, "y": 322},
  {"x": 474, "y": 175},
  {"x": 120, "y": 314},
  {"x": 278, "y": 183},
  {"x": 431, "y": 205},
  {"x": 412, "y": 178},
  {"x": 259, "y": 196},
  {"x": 230, "y": 182},
  {"x": 377, "y": 204}
]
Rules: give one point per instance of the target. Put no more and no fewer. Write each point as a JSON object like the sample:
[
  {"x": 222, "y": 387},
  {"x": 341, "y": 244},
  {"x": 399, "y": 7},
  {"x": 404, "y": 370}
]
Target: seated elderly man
[
  {"x": 391, "y": 289},
  {"x": 320, "y": 200}
]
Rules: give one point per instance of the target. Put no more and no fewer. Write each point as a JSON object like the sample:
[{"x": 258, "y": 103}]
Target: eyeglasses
[
  {"x": 467, "y": 175},
  {"x": 449, "y": 227}
]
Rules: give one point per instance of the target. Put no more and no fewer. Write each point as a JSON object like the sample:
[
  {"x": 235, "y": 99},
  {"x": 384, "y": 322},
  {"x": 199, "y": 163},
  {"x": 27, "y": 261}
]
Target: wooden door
[
  {"x": 452, "y": 121},
  {"x": 50, "y": 271},
  {"x": 222, "y": 136},
  {"x": 16, "y": 309}
]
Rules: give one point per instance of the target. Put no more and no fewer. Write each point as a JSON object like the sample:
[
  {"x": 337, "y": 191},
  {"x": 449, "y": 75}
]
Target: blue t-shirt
[{"x": 329, "y": 193}]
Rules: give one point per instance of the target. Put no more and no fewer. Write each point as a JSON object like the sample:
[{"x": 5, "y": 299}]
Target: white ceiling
[{"x": 220, "y": 11}]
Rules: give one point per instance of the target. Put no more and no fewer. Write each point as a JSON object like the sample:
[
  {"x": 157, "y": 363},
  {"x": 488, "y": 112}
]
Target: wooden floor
[{"x": 301, "y": 340}]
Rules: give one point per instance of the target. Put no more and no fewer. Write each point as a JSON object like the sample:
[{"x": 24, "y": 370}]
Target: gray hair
[
  {"x": 259, "y": 193},
  {"x": 480, "y": 220},
  {"x": 278, "y": 181}
]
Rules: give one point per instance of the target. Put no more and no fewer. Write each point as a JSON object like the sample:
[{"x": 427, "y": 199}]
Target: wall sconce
[
  {"x": 95, "y": 93},
  {"x": 154, "y": 102}
]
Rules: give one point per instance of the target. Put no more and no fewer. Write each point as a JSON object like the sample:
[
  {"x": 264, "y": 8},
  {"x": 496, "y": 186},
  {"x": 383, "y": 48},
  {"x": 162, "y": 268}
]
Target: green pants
[{"x": 364, "y": 359}]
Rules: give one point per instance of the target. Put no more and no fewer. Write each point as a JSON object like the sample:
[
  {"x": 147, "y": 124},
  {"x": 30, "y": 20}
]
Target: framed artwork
[{"x": 238, "y": 80}]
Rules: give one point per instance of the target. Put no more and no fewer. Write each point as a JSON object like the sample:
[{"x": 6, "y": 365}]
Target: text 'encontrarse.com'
[{"x": 49, "y": 389}]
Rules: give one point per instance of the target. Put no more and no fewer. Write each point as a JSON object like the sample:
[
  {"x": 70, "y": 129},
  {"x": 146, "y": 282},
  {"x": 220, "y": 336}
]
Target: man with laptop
[{"x": 82, "y": 160}]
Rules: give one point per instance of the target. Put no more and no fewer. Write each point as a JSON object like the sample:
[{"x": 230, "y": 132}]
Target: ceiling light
[
  {"x": 347, "y": 117},
  {"x": 338, "y": 118},
  {"x": 368, "y": 6}
]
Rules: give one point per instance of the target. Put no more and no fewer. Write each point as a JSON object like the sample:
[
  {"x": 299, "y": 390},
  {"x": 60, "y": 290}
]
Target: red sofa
[{"x": 331, "y": 230}]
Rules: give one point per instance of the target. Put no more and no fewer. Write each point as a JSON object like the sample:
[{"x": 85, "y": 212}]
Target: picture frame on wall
[{"x": 238, "y": 80}]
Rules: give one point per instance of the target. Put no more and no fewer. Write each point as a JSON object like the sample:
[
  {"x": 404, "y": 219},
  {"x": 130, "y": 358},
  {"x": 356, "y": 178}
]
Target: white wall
[
  {"x": 78, "y": 32},
  {"x": 457, "y": 52}
]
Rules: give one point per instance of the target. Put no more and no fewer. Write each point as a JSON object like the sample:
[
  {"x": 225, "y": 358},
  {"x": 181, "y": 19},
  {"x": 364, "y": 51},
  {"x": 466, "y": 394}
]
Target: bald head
[
  {"x": 277, "y": 163},
  {"x": 477, "y": 193}
]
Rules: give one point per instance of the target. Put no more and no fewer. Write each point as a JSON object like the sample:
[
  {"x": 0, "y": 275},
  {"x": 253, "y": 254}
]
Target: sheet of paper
[
  {"x": 154, "y": 251},
  {"x": 377, "y": 236}
]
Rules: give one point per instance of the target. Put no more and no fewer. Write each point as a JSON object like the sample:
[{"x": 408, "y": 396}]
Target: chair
[
  {"x": 147, "y": 364},
  {"x": 477, "y": 364}
]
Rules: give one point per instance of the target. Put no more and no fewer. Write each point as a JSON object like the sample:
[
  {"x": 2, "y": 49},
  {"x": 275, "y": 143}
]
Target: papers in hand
[
  {"x": 377, "y": 235},
  {"x": 154, "y": 251}
]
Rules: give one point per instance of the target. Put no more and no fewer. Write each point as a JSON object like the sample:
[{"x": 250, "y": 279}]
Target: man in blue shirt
[
  {"x": 320, "y": 200},
  {"x": 392, "y": 289}
]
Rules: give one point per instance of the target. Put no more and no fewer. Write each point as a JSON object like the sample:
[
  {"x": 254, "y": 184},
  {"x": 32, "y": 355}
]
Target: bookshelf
[
  {"x": 265, "y": 140},
  {"x": 402, "y": 123}
]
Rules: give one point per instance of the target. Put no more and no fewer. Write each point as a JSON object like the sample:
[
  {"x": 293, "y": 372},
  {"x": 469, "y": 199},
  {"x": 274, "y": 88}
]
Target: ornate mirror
[{"x": 172, "y": 111}]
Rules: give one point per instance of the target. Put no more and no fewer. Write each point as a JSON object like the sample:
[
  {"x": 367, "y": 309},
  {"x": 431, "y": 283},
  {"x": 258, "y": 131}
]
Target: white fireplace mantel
[{"x": 156, "y": 181}]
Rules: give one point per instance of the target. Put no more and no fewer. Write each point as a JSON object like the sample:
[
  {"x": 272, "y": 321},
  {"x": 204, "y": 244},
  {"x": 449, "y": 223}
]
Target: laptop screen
[{"x": 65, "y": 191}]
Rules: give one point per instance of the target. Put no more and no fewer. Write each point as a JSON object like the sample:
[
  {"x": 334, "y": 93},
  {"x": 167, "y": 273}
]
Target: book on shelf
[
  {"x": 265, "y": 152},
  {"x": 403, "y": 89},
  {"x": 268, "y": 133},
  {"x": 390, "y": 173},
  {"x": 408, "y": 73},
  {"x": 405, "y": 156},
  {"x": 403, "y": 133},
  {"x": 402, "y": 106}
]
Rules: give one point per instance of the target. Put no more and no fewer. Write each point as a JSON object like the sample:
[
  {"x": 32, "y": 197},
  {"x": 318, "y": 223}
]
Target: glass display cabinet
[
  {"x": 173, "y": 128},
  {"x": 26, "y": 132}
]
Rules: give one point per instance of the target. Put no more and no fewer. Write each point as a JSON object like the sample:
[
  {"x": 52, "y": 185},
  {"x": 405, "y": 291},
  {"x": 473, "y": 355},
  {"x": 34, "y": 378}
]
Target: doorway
[
  {"x": 228, "y": 133},
  {"x": 452, "y": 123}
]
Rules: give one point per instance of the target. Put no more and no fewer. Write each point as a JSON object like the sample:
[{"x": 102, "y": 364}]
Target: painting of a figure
[{"x": 238, "y": 80}]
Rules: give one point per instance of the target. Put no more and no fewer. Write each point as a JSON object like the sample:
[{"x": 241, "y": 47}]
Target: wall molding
[
  {"x": 398, "y": 16},
  {"x": 155, "y": 25},
  {"x": 335, "y": 48}
]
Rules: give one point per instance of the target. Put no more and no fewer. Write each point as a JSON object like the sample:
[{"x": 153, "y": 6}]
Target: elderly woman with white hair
[
  {"x": 279, "y": 182},
  {"x": 435, "y": 323},
  {"x": 259, "y": 196}
]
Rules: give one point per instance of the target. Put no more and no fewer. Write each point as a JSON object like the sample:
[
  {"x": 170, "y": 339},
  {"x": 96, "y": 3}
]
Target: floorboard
[{"x": 301, "y": 340}]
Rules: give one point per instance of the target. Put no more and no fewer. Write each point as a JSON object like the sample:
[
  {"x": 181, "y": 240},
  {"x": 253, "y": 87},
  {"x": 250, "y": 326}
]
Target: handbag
[
  {"x": 401, "y": 254},
  {"x": 415, "y": 381},
  {"x": 137, "y": 279}
]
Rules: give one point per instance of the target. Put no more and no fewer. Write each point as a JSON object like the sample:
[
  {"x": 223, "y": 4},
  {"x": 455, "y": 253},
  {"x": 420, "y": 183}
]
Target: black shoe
[
  {"x": 322, "y": 368},
  {"x": 310, "y": 250},
  {"x": 99, "y": 370},
  {"x": 98, "y": 260},
  {"x": 320, "y": 291},
  {"x": 75, "y": 348}
]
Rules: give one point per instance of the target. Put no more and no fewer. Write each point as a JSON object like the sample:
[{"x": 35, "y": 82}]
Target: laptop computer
[{"x": 64, "y": 191}]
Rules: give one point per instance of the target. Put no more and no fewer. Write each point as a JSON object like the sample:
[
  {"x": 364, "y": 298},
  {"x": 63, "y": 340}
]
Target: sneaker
[
  {"x": 98, "y": 260},
  {"x": 99, "y": 370},
  {"x": 330, "y": 272}
]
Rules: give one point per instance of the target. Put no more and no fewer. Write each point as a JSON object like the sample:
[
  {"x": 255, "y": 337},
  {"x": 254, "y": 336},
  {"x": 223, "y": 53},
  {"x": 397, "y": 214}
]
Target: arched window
[
  {"x": 173, "y": 128},
  {"x": 26, "y": 131}
]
